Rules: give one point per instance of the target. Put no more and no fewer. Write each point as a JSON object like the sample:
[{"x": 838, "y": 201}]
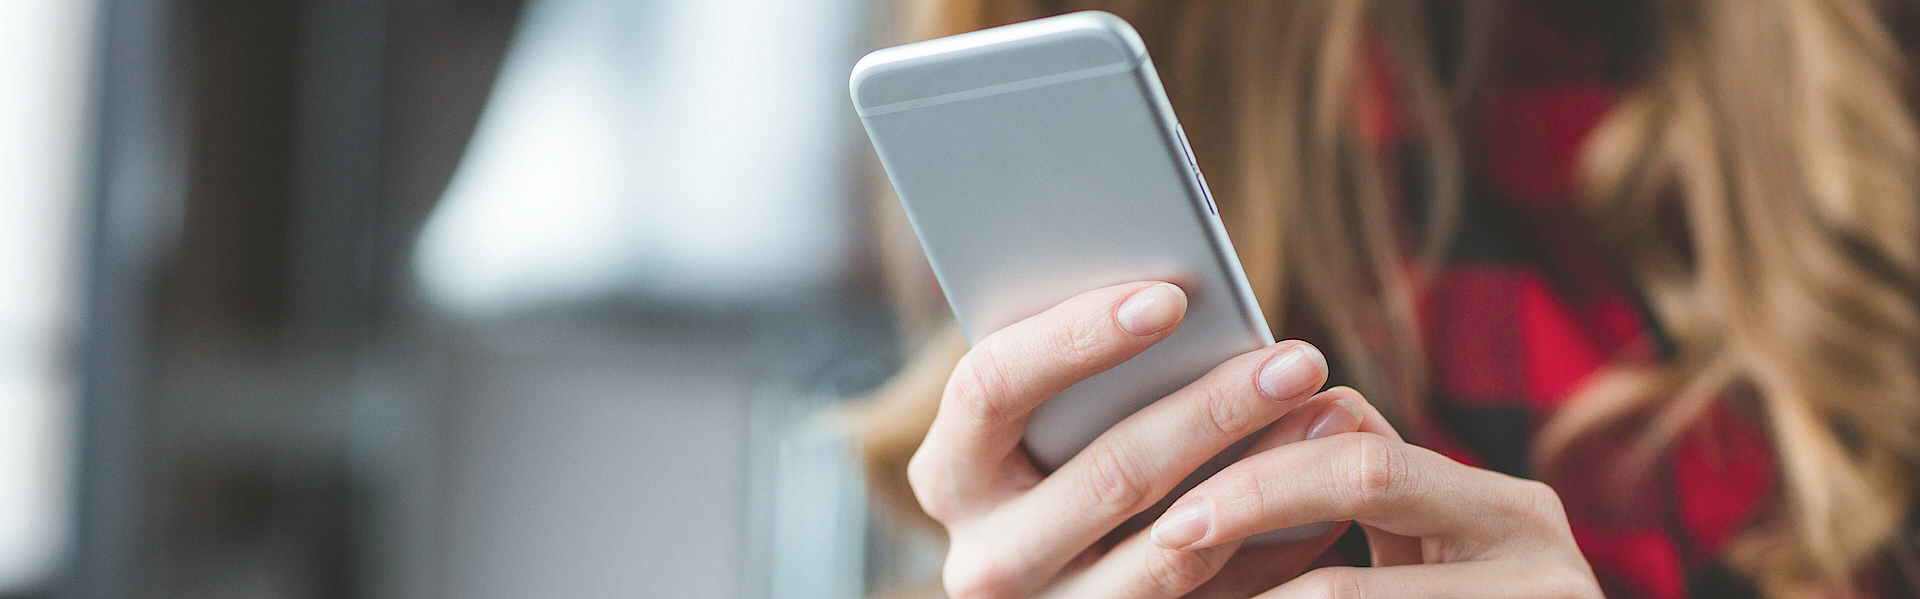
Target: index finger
[{"x": 983, "y": 412}]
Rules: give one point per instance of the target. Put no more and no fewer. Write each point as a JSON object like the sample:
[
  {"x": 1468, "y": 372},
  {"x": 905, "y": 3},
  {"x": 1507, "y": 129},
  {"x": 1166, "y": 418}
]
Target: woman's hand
[
  {"x": 1437, "y": 528},
  {"x": 1016, "y": 533}
]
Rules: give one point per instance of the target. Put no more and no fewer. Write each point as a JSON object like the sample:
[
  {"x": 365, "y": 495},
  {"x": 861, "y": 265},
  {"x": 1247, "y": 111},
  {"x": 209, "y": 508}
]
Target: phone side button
[
  {"x": 1205, "y": 192},
  {"x": 1186, "y": 147}
]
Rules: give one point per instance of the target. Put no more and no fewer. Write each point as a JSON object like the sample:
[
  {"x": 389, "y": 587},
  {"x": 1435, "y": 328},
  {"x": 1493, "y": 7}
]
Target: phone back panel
[{"x": 1041, "y": 160}]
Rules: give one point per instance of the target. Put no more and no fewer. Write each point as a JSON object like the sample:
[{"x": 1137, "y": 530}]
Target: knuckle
[
  {"x": 1334, "y": 583},
  {"x": 1115, "y": 482},
  {"x": 932, "y": 487},
  {"x": 1377, "y": 471},
  {"x": 1244, "y": 488},
  {"x": 1566, "y": 582},
  {"x": 1173, "y": 572},
  {"x": 979, "y": 387},
  {"x": 1537, "y": 506},
  {"x": 1538, "y": 502},
  {"x": 1228, "y": 415},
  {"x": 976, "y": 578},
  {"x": 1080, "y": 348}
]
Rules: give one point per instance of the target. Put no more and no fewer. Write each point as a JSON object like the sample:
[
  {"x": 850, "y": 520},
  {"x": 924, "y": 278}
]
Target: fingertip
[
  {"x": 1183, "y": 526},
  {"x": 1151, "y": 310},
  {"x": 1344, "y": 391},
  {"x": 1292, "y": 372},
  {"x": 1343, "y": 416},
  {"x": 1373, "y": 421}
]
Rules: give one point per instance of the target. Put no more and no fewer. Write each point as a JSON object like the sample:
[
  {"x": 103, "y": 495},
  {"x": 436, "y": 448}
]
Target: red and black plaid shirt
[{"x": 1527, "y": 307}]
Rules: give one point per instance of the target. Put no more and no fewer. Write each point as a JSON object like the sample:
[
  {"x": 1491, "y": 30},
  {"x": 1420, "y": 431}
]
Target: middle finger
[{"x": 1396, "y": 487}]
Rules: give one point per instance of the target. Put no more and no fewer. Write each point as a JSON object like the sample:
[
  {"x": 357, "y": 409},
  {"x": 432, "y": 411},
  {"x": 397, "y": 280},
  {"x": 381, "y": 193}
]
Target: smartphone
[{"x": 1040, "y": 160}]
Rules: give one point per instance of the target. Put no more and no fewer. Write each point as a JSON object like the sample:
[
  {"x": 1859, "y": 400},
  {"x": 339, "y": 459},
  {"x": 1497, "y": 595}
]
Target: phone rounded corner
[
  {"x": 1112, "y": 28},
  {"x": 863, "y": 72}
]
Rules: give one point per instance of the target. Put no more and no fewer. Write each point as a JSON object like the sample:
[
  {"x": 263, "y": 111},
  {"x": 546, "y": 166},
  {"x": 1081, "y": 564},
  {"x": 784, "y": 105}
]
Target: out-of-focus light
[
  {"x": 44, "y": 56},
  {"x": 687, "y": 150}
]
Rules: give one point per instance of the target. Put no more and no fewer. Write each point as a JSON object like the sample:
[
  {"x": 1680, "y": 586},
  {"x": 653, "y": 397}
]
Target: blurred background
[{"x": 436, "y": 298}]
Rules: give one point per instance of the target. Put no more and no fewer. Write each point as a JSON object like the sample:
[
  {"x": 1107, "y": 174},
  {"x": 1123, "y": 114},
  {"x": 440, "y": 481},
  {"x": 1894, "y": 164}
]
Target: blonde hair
[{"x": 1778, "y": 129}]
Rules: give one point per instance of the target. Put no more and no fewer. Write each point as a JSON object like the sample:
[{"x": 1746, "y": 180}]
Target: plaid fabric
[{"x": 1527, "y": 308}]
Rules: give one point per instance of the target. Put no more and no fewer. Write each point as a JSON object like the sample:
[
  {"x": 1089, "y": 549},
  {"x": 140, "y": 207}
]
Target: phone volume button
[
  {"x": 1186, "y": 147},
  {"x": 1205, "y": 192}
]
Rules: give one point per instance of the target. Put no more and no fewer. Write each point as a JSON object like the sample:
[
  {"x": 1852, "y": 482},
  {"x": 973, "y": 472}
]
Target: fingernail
[
  {"x": 1340, "y": 418},
  {"x": 1292, "y": 373},
  {"x": 1182, "y": 527},
  {"x": 1152, "y": 310}
]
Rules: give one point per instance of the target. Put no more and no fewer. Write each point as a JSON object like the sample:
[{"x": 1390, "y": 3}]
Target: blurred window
[
  {"x": 44, "y": 51},
  {"x": 677, "y": 150}
]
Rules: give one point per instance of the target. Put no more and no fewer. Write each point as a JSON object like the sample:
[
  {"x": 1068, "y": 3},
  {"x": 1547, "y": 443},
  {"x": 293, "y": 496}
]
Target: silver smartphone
[{"x": 1040, "y": 160}]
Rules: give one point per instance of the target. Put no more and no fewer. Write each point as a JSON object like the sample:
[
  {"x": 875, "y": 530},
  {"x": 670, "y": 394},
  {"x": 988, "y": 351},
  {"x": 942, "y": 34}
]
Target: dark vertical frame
[
  {"x": 333, "y": 247},
  {"x": 133, "y": 187},
  {"x": 166, "y": 162}
]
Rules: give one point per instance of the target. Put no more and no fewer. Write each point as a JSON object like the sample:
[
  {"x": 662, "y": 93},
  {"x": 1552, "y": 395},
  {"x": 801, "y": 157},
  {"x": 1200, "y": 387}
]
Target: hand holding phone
[
  {"x": 1015, "y": 531},
  {"x": 1039, "y": 160}
]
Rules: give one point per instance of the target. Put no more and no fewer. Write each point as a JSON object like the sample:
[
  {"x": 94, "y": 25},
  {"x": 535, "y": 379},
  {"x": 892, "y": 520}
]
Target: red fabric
[
  {"x": 1720, "y": 488},
  {"x": 1529, "y": 309},
  {"x": 1532, "y": 134},
  {"x": 1560, "y": 352},
  {"x": 1642, "y": 563},
  {"x": 1473, "y": 310}
]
